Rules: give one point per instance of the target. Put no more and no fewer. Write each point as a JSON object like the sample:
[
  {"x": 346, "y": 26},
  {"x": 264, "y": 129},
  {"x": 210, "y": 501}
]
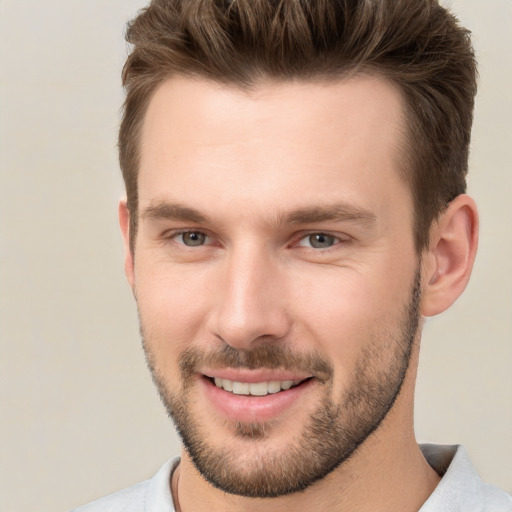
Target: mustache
[{"x": 268, "y": 356}]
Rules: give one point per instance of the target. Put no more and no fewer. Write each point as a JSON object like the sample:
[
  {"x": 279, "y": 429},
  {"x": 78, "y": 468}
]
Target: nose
[{"x": 250, "y": 302}]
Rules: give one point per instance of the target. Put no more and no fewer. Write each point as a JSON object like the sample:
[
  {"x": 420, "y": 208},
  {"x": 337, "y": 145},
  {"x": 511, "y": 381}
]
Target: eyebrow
[
  {"x": 174, "y": 211},
  {"x": 308, "y": 215},
  {"x": 333, "y": 212}
]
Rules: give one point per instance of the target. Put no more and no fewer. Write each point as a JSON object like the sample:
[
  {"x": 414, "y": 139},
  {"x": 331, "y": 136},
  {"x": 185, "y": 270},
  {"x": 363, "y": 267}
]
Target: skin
[{"x": 245, "y": 161}]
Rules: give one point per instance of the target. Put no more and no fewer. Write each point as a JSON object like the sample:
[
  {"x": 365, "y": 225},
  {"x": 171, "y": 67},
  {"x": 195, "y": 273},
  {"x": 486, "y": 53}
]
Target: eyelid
[
  {"x": 340, "y": 238},
  {"x": 173, "y": 234}
]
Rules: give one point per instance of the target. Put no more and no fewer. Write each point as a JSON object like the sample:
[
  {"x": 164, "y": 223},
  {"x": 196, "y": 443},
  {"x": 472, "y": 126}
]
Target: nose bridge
[{"x": 250, "y": 308}]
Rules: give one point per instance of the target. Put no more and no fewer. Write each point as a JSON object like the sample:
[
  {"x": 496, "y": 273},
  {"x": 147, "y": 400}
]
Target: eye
[
  {"x": 191, "y": 238},
  {"x": 318, "y": 241}
]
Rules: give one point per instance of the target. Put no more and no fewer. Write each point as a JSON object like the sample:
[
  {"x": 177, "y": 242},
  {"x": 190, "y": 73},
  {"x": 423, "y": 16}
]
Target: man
[{"x": 295, "y": 176}]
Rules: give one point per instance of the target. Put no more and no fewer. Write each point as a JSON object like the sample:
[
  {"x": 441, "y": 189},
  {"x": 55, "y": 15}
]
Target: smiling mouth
[{"x": 256, "y": 388}]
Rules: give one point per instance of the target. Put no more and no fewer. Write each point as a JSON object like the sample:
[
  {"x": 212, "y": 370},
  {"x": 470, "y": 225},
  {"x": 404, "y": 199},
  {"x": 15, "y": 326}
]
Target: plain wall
[{"x": 78, "y": 414}]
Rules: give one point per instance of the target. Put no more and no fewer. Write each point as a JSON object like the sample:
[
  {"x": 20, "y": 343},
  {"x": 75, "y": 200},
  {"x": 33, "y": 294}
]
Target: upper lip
[{"x": 253, "y": 376}]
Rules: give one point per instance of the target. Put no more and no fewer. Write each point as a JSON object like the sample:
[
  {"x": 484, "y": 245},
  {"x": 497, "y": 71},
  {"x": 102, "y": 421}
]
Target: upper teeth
[{"x": 254, "y": 388}]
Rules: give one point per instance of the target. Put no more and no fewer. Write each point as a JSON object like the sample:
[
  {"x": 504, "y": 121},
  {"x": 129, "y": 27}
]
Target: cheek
[
  {"x": 171, "y": 308},
  {"x": 346, "y": 313}
]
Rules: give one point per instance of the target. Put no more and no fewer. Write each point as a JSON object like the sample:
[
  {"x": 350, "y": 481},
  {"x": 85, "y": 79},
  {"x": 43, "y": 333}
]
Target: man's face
[{"x": 275, "y": 273}]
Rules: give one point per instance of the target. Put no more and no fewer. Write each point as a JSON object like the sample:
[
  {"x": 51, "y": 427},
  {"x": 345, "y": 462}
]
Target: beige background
[{"x": 78, "y": 415}]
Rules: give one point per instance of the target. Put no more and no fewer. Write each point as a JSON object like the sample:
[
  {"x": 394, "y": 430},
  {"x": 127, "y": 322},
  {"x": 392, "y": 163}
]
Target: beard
[{"x": 330, "y": 436}]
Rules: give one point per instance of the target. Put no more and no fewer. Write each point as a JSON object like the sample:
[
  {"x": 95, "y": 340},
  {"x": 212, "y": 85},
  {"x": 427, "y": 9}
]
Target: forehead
[{"x": 283, "y": 143}]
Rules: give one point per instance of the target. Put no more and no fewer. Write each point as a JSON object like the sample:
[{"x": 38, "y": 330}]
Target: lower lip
[{"x": 250, "y": 409}]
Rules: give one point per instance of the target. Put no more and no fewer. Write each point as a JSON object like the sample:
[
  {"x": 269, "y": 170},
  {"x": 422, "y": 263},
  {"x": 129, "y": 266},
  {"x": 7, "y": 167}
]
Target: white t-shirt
[{"x": 460, "y": 489}]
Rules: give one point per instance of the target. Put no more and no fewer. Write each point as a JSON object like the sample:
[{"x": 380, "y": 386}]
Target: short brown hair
[{"x": 416, "y": 44}]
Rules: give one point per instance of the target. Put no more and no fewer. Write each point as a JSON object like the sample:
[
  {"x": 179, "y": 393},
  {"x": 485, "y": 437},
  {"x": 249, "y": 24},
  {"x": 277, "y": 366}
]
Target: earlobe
[
  {"x": 124, "y": 223},
  {"x": 449, "y": 259}
]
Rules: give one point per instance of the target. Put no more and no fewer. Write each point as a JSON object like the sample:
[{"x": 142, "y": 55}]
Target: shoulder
[
  {"x": 126, "y": 500},
  {"x": 149, "y": 496},
  {"x": 461, "y": 488}
]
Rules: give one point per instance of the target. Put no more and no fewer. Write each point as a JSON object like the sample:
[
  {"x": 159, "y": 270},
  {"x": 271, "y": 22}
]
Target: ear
[
  {"x": 124, "y": 223},
  {"x": 449, "y": 259}
]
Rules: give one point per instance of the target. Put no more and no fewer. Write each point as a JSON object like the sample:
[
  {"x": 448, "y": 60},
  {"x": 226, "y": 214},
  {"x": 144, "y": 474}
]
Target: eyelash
[
  {"x": 336, "y": 240},
  {"x": 175, "y": 234},
  {"x": 345, "y": 240}
]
